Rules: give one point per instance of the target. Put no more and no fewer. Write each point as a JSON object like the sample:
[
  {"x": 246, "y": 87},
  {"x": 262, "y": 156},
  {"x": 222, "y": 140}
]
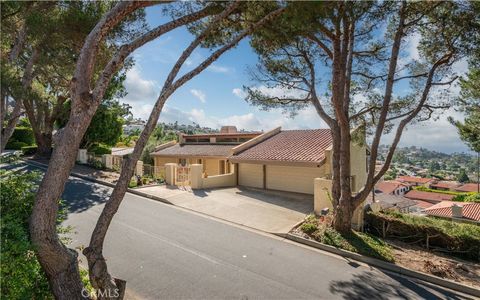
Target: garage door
[
  {"x": 292, "y": 179},
  {"x": 250, "y": 175}
]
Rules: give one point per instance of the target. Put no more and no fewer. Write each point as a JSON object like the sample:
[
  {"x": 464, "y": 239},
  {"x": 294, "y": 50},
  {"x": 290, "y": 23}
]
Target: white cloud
[
  {"x": 219, "y": 69},
  {"x": 200, "y": 95},
  {"x": 239, "y": 93},
  {"x": 138, "y": 88},
  {"x": 280, "y": 92}
]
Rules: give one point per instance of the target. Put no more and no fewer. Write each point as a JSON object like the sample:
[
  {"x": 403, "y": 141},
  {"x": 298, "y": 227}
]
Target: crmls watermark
[{"x": 114, "y": 293}]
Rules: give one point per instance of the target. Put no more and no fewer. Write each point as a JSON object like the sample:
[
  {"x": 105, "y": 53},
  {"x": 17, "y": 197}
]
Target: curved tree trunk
[
  {"x": 44, "y": 144},
  {"x": 99, "y": 275}
]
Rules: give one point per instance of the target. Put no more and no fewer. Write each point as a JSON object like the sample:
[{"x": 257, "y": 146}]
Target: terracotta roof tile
[
  {"x": 290, "y": 145},
  {"x": 428, "y": 196},
  {"x": 470, "y": 211},
  {"x": 195, "y": 150},
  {"x": 468, "y": 187},
  {"x": 388, "y": 187},
  {"x": 423, "y": 204},
  {"x": 444, "y": 184}
]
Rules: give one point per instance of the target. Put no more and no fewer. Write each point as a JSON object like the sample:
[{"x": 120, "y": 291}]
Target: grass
[{"x": 353, "y": 241}]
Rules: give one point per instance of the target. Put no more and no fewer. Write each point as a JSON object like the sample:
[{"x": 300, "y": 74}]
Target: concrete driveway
[{"x": 270, "y": 211}]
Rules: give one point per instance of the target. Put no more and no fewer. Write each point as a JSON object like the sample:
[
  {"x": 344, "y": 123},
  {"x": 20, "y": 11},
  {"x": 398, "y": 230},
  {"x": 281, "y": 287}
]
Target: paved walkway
[{"x": 270, "y": 211}]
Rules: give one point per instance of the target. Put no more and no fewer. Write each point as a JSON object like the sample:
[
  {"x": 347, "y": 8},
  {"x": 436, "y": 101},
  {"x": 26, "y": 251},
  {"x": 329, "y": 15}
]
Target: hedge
[
  {"x": 23, "y": 134},
  {"x": 21, "y": 274},
  {"x": 458, "y": 239},
  {"x": 101, "y": 149}
]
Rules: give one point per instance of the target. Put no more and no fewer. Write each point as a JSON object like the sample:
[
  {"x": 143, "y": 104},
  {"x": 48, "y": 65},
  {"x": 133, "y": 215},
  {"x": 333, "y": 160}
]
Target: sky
[{"x": 216, "y": 97}]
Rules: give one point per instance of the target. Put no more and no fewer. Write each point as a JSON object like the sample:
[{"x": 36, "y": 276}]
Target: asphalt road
[{"x": 168, "y": 253}]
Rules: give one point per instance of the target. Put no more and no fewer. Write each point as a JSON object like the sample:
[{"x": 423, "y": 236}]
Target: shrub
[
  {"x": 459, "y": 239},
  {"x": 24, "y": 135},
  {"x": 29, "y": 150},
  {"x": 21, "y": 274},
  {"x": 15, "y": 145},
  {"x": 101, "y": 149},
  {"x": 309, "y": 228},
  {"x": 474, "y": 197},
  {"x": 132, "y": 183}
]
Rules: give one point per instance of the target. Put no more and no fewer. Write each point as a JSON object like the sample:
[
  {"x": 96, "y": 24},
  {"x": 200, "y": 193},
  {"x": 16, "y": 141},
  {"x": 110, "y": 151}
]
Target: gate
[{"x": 183, "y": 175}]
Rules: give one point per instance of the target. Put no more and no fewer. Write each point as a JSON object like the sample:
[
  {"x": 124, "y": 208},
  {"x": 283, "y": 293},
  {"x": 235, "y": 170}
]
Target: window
[
  {"x": 199, "y": 161},
  {"x": 182, "y": 162}
]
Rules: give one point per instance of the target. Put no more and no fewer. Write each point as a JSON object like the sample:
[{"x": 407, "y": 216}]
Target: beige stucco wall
[
  {"x": 322, "y": 194},
  {"x": 197, "y": 181},
  {"x": 210, "y": 165},
  {"x": 161, "y": 161},
  {"x": 293, "y": 179},
  {"x": 358, "y": 168},
  {"x": 250, "y": 175}
]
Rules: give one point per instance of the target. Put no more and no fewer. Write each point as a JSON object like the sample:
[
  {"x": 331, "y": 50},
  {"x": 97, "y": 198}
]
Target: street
[{"x": 164, "y": 252}]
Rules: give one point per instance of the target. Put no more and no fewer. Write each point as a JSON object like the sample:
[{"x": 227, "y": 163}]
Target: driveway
[{"x": 269, "y": 211}]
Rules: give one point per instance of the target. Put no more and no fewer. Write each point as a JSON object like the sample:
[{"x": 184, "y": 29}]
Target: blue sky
[{"x": 214, "y": 98}]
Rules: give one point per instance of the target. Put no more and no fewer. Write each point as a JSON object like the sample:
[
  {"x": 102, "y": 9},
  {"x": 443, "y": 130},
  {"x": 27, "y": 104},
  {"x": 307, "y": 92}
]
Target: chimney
[
  {"x": 457, "y": 211},
  {"x": 228, "y": 129}
]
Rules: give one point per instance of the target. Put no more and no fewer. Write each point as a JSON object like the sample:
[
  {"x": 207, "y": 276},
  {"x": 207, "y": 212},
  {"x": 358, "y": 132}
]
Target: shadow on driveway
[
  {"x": 82, "y": 195},
  {"x": 368, "y": 285}
]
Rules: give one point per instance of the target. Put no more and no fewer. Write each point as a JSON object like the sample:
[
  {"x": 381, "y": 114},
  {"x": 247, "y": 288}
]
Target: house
[
  {"x": 284, "y": 160},
  {"x": 389, "y": 201},
  {"x": 444, "y": 185},
  {"x": 428, "y": 196},
  {"x": 457, "y": 211},
  {"x": 414, "y": 181},
  {"x": 392, "y": 187},
  {"x": 210, "y": 150},
  {"x": 118, "y": 154},
  {"x": 290, "y": 160},
  {"x": 468, "y": 187}
]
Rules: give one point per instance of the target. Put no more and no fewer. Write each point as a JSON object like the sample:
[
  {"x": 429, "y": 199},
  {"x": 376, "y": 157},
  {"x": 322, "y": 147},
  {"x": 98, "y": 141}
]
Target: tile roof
[
  {"x": 388, "y": 187},
  {"x": 470, "y": 211},
  {"x": 428, "y": 196},
  {"x": 444, "y": 184},
  {"x": 121, "y": 151},
  {"x": 414, "y": 179},
  {"x": 290, "y": 146},
  {"x": 468, "y": 187},
  {"x": 195, "y": 150},
  {"x": 423, "y": 204}
]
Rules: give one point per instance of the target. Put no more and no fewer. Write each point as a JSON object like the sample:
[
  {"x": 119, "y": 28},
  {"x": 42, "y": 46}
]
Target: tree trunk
[
  {"x": 12, "y": 122},
  {"x": 58, "y": 262},
  {"x": 44, "y": 144}
]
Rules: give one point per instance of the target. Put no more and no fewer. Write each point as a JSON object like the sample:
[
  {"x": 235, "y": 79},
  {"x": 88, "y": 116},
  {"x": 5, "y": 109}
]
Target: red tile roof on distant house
[
  {"x": 423, "y": 204},
  {"x": 388, "y": 187},
  {"x": 470, "y": 211},
  {"x": 468, "y": 187},
  {"x": 444, "y": 184},
  {"x": 428, "y": 196},
  {"x": 306, "y": 146},
  {"x": 414, "y": 179}
]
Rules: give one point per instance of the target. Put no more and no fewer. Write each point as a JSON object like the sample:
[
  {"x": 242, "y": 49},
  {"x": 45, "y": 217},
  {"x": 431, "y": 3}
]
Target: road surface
[{"x": 164, "y": 252}]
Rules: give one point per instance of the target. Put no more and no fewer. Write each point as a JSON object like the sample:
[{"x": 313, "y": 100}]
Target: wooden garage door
[
  {"x": 292, "y": 179},
  {"x": 250, "y": 175}
]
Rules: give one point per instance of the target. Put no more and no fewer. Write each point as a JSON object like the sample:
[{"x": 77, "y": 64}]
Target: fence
[{"x": 156, "y": 172}]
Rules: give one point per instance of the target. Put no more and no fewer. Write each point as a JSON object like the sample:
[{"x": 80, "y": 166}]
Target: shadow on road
[
  {"x": 82, "y": 195},
  {"x": 368, "y": 285}
]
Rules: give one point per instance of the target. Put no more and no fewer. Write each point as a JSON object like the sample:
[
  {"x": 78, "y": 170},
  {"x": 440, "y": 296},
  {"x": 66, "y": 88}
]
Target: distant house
[
  {"x": 444, "y": 185},
  {"x": 402, "y": 204},
  {"x": 137, "y": 125},
  {"x": 468, "y": 187},
  {"x": 457, "y": 211},
  {"x": 414, "y": 181},
  {"x": 118, "y": 154},
  {"x": 428, "y": 196},
  {"x": 392, "y": 187}
]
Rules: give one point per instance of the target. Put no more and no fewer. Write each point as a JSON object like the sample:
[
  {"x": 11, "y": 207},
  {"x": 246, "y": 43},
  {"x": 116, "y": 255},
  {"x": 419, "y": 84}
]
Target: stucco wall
[
  {"x": 250, "y": 175},
  {"x": 358, "y": 158},
  {"x": 293, "y": 179},
  {"x": 161, "y": 161}
]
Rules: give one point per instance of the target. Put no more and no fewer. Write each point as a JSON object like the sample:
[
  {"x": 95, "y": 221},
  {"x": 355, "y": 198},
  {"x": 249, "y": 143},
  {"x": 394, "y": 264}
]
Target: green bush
[
  {"x": 29, "y": 150},
  {"x": 459, "y": 239},
  {"x": 21, "y": 274},
  {"x": 23, "y": 134},
  {"x": 425, "y": 189},
  {"x": 15, "y": 145},
  {"x": 101, "y": 149},
  {"x": 132, "y": 183},
  {"x": 309, "y": 228}
]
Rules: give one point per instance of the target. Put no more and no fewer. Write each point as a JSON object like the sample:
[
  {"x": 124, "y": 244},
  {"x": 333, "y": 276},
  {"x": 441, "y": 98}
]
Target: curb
[
  {"x": 388, "y": 266},
  {"x": 102, "y": 182}
]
